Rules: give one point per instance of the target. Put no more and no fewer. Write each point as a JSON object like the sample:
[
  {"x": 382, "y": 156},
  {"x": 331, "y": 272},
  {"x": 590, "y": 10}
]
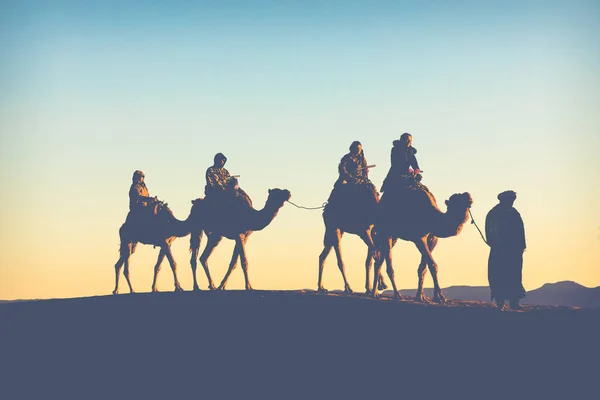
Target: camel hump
[
  {"x": 413, "y": 197},
  {"x": 244, "y": 199}
]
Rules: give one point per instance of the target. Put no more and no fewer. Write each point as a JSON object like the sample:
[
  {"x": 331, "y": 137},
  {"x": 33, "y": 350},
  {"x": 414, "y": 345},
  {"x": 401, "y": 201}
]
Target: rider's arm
[
  {"x": 137, "y": 194},
  {"x": 412, "y": 159}
]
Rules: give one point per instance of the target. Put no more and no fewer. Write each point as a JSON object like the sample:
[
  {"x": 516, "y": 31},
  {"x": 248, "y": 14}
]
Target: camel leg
[
  {"x": 337, "y": 246},
  {"x": 328, "y": 241},
  {"x": 244, "y": 261},
  {"x": 126, "y": 269},
  {"x": 195, "y": 239},
  {"x": 213, "y": 241},
  {"x": 322, "y": 257},
  {"x": 378, "y": 263},
  {"x": 366, "y": 237},
  {"x": 390, "y": 268},
  {"x": 118, "y": 266},
  {"x": 423, "y": 247},
  {"x": 385, "y": 254},
  {"x": 194, "y": 265},
  {"x": 126, "y": 249},
  {"x": 232, "y": 265},
  {"x": 422, "y": 271},
  {"x": 159, "y": 260},
  {"x": 167, "y": 250}
]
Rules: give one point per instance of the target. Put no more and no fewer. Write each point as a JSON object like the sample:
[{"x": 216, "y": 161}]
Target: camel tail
[{"x": 195, "y": 240}]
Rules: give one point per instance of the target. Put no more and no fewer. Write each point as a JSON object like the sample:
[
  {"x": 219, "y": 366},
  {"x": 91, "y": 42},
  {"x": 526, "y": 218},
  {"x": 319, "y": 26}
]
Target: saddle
[{"x": 349, "y": 198}]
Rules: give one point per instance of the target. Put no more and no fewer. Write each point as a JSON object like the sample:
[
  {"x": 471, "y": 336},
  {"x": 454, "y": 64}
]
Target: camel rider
[
  {"x": 140, "y": 202},
  {"x": 217, "y": 176},
  {"x": 405, "y": 169},
  {"x": 220, "y": 185},
  {"x": 353, "y": 172},
  {"x": 353, "y": 166}
]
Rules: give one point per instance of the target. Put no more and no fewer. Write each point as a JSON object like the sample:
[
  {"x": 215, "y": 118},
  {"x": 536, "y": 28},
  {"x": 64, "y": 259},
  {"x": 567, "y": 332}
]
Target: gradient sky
[{"x": 497, "y": 95}]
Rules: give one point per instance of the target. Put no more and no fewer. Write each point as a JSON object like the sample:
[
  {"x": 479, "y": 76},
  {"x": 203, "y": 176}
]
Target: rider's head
[
  {"x": 406, "y": 139},
  {"x": 220, "y": 160},
  {"x": 356, "y": 147},
  {"x": 138, "y": 176}
]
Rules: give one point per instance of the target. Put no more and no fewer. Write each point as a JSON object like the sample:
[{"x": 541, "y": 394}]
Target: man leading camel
[{"x": 506, "y": 236}]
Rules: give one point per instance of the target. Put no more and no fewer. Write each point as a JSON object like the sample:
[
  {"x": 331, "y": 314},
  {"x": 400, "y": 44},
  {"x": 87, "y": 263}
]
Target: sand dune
[{"x": 292, "y": 344}]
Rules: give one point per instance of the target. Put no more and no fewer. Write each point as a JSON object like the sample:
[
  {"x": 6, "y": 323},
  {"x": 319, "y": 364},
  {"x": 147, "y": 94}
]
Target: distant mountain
[{"x": 565, "y": 293}]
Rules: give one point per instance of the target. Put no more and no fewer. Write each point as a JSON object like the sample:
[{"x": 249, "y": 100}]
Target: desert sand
[{"x": 293, "y": 344}]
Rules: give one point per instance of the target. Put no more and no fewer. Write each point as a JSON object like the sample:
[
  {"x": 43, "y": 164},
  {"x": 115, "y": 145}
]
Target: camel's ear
[
  {"x": 269, "y": 191},
  {"x": 446, "y": 202}
]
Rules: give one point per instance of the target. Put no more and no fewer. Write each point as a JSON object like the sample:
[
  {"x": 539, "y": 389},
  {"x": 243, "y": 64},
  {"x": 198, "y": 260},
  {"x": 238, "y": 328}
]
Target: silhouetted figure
[
  {"x": 506, "y": 236},
  {"x": 149, "y": 221},
  {"x": 353, "y": 176},
  {"x": 217, "y": 176},
  {"x": 405, "y": 170},
  {"x": 351, "y": 208},
  {"x": 222, "y": 190},
  {"x": 236, "y": 224},
  {"x": 141, "y": 205},
  {"x": 412, "y": 214}
]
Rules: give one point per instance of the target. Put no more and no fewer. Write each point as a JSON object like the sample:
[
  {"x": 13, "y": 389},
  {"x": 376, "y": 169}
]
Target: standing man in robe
[{"x": 505, "y": 233}]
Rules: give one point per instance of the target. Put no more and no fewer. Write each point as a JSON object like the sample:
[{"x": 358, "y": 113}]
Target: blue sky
[{"x": 497, "y": 95}]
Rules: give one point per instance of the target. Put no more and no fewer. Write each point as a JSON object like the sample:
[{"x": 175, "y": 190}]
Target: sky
[{"x": 498, "y": 95}]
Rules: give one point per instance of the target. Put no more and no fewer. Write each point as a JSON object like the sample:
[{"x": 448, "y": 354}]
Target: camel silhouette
[
  {"x": 236, "y": 222},
  {"x": 412, "y": 214},
  {"x": 158, "y": 230},
  {"x": 352, "y": 211}
]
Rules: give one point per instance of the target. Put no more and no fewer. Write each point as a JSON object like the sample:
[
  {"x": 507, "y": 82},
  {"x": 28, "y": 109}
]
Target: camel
[
  {"x": 354, "y": 213},
  {"x": 233, "y": 222},
  {"x": 160, "y": 230},
  {"x": 412, "y": 214}
]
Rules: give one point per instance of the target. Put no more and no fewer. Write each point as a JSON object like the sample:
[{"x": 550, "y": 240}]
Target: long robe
[{"x": 506, "y": 236}]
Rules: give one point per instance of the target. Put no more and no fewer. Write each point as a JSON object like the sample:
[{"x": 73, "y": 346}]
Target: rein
[
  {"x": 473, "y": 222},
  {"x": 308, "y": 208}
]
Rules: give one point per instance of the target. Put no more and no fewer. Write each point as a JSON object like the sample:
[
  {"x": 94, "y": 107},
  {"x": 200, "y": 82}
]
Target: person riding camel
[
  {"x": 217, "y": 176},
  {"x": 141, "y": 205},
  {"x": 353, "y": 166},
  {"x": 221, "y": 186},
  {"x": 353, "y": 172},
  {"x": 405, "y": 170}
]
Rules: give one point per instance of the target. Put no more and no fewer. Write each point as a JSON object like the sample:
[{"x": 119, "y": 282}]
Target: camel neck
[
  {"x": 450, "y": 223},
  {"x": 264, "y": 217}
]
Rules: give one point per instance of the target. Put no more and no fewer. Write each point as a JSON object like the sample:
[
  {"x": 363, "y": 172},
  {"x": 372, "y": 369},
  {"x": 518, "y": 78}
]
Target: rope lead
[
  {"x": 473, "y": 222},
  {"x": 308, "y": 208}
]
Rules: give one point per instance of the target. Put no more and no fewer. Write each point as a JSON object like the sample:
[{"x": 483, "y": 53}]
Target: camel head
[
  {"x": 278, "y": 196},
  {"x": 454, "y": 219},
  {"x": 459, "y": 202}
]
